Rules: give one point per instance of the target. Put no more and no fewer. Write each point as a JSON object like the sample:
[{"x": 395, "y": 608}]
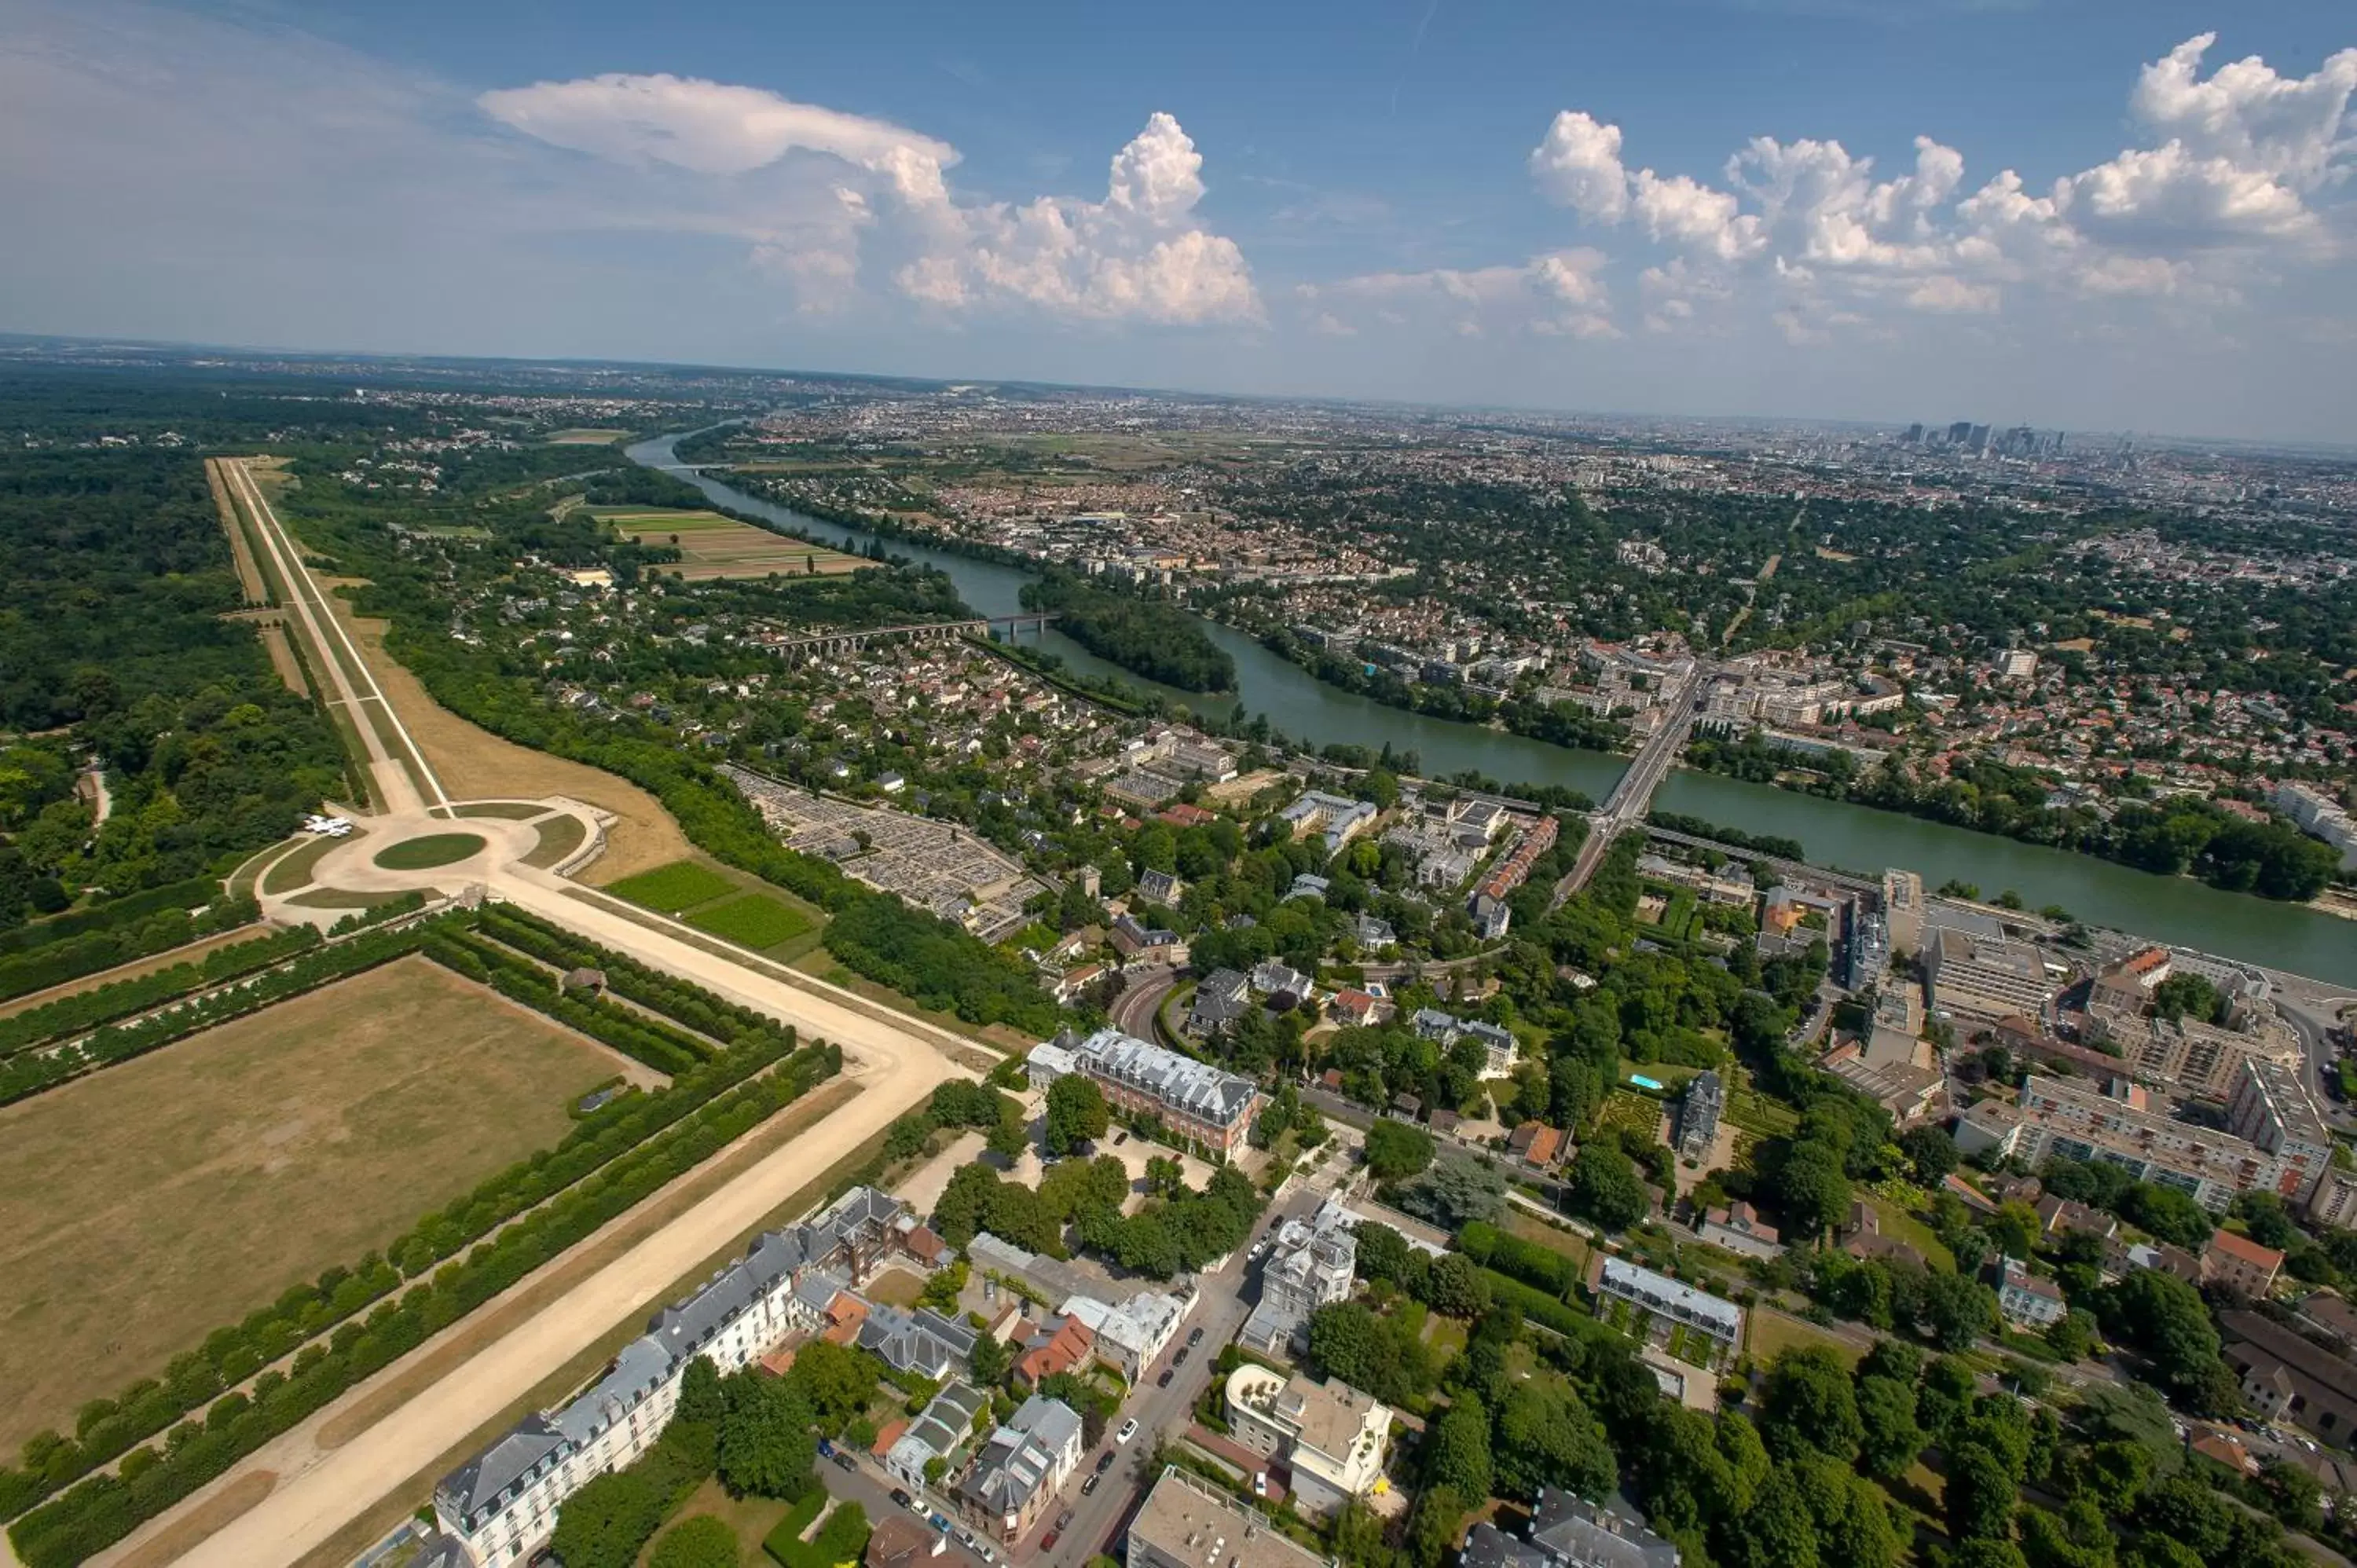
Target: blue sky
[{"x": 2062, "y": 211}]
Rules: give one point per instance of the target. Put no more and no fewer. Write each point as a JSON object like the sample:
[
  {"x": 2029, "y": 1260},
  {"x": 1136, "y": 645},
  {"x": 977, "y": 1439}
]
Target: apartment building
[
  {"x": 2119, "y": 1123},
  {"x": 1194, "y": 1100},
  {"x": 2188, "y": 1054},
  {"x": 1331, "y": 1438},
  {"x": 2321, "y": 816},
  {"x": 1694, "y": 1326},
  {"x": 1979, "y": 980},
  {"x": 2027, "y": 1299},
  {"x": 501, "y": 1505},
  {"x": 2272, "y": 1108},
  {"x": 1902, "y": 910},
  {"x": 1187, "y": 1522},
  {"x": 1335, "y": 819}
]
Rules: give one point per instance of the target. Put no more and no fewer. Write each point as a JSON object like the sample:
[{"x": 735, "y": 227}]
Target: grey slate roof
[
  {"x": 1021, "y": 1457},
  {"x": 1182, "y": 1083},
  {"x": 638, "y": 1371},
  {"x": 477, "y": 1485},
  {"x": 923, "y": 1341}
]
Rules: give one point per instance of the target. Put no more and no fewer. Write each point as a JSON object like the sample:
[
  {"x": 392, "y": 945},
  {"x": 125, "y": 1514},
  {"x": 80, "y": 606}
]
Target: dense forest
[
  {"x": 1159, "y": 641},
  {"x": 115, "y": 581}
]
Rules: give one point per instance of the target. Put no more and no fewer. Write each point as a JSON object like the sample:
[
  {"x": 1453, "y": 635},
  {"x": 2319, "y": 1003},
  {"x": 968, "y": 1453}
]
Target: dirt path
[
  {"x": 191, "y": 954},
  {"x": 249, "y": 572}
]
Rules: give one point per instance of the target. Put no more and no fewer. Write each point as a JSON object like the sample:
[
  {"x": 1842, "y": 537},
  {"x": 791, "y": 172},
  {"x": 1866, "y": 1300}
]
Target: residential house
[
  {"x": 946, "y": 1422},
  {"x": 1130, "y": 1336},
  {"x": 1331, "y": 1438},
  {"x": 1739, "y": 1229},
  {"x": 1060, "y": 1345},
  {"x": 1314, "y": 1263},
  {"x": 2027, "y": 1299},
  {"x": 2285, "y": 1376},
  {"x": 1535, "y": 1143},
  {"x": 1569, "y": 1531},
  {"x": 2239, "y": 1265},
  {"x": 1221, "y": 997},
  {"x": 1016, "y": 1478}
]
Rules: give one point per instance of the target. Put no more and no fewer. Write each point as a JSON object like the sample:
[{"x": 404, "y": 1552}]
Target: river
[{"x": 1835, "y": 834}]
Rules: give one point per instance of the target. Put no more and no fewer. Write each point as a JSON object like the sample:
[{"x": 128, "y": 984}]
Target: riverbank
[{"x": 2170, "y": 909}]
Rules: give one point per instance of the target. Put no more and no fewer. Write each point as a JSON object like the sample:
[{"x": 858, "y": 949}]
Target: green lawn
[
  {"x": 671, "y": 888},
  {"x": 1901, "y": 1226},
  {"x": 754, "y": 920},
  {"x": 1774, "y": 1332},
  {"x": 433, "y": 850}
]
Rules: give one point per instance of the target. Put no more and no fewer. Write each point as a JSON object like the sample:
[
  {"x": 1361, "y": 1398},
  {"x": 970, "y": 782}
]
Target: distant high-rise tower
[
  {"x": 1914, "y": 437},
  {"x": 1960, "y": 433}
]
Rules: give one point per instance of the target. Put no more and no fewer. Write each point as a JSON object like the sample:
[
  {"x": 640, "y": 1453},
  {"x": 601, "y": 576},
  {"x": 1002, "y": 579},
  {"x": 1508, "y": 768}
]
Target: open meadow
[
  {"x": 148, "y": 1203},
  {"x": 711, "y": 545}
]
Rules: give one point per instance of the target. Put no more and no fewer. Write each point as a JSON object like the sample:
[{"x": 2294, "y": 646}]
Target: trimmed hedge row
[
  {"x": 30, "y": 1072},
  {"x": 102, "y": 1510},
  {"x": 690, "y": 1005},
  {"x": 126, "y": 933},
  {"x": 1537, "y": 1306},
  {"x": 105, "y": 1003},
  {"x": 667, "y": 1051},
  {"x": 231, "y": 1354}
]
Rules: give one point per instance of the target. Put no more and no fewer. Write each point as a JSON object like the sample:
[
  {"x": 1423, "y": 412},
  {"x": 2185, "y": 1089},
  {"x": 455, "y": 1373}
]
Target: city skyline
[{"x": 2065, "y": 217}]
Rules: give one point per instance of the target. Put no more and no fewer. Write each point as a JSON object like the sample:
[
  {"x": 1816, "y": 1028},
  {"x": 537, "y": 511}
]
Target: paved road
[
  {"x": 1626, "y": 805},
  {"x": 1133, "y": 1011}
]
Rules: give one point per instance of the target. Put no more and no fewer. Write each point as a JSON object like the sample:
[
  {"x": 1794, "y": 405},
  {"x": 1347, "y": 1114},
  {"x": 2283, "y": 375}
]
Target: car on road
[
  {"x": 1164, "y": 1381},
  {"x": 940, "y": 1522},
  {"x": 1194, "y": 1336},
  {"x": 1128, "y": 1430},
  {"x": 1119, "y": 1139},
  {"x": 1104, "y": 1460},
  {"x": 1064, "y": 1520},
  {"x": 917, "y": 1506},
  {"x": 901, "y": 1496},
  {"x": 1180, "y": 1358},
  {"x": 1260, "y": 1483},
  {"x": 1048, "y": 1542},
  {"x": 842, "y": 1459},
  {"x": 1091, "y": 1483}
]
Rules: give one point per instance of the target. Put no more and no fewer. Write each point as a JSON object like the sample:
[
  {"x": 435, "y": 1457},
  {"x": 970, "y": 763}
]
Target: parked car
[
  {"x": 1260, "y": 1483},
  {"x": 1091, "y": 1483},
  {"x": 919, "y": 1507},
  {"x": 1064, "y": 1520},
  {"x": 1048, "y": 1542},
  {"x": 1128, "y": 1430},
  {"x": 842, "y": 1459},
  {"x": 982, "y": 1549},
  {"x": 1194, "y": 1336},
  {"x": 942, "y": 1524},
  {"x": 1104, "y": 1460},
  {"x": 1120, "y": 1138},
  {"x": 1180, "y": 1358},
  {"x": 901, "y": 1496}
]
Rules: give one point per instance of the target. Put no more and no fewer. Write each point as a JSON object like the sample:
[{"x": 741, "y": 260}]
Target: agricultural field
[
  {"x": 752, "y": 919},
  {"x": 586, "y": 437},
  {"x": 143, "y": 1206},
  {"x": 714, "y": 546}
]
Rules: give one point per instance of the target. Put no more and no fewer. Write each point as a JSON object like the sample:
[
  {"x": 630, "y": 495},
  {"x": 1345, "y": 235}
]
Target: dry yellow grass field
[
  {"x": 475, "y": 762},
  {"x": 147, "y": 1204}
]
